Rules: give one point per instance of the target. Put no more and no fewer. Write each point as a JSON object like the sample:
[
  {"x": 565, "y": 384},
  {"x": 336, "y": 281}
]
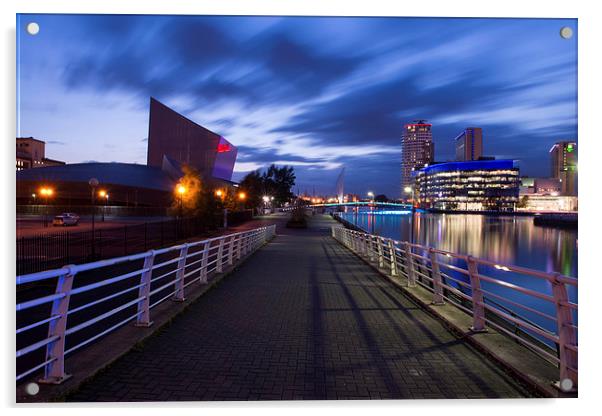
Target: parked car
[{"x": 65, "y": 219}]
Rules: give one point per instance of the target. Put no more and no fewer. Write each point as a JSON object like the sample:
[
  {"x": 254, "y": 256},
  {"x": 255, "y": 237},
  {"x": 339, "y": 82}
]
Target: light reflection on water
[{"x": 505, "y": 239}]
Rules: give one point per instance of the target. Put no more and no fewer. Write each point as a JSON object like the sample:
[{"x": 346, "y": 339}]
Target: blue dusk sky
[{"x": 318, "y": 93}]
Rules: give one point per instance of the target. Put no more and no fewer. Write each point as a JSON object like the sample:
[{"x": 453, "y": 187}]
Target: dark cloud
[
  {"x": 351, "y": 81},
  {"x": 198, "y": 56}
]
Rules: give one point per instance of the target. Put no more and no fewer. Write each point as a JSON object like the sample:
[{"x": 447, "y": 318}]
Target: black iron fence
[
  {"x": 86, "y": 210},
  {"x": 48, "y": 251}
]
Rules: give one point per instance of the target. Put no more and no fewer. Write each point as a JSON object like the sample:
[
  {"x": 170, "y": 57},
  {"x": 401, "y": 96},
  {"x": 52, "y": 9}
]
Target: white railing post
[
  {"x": 478, "y": 302},
  {"x": 238, "y": 246},
  {"x": 179, "y": 292},
  {"x": 231, "y": 250},
  {"x": 332, "y": 232},
  {"x": 204, "y": 261},
  {"x": 244, "y": 243},
  {"x": 54, "y": 371},
  {"x": 219, "y": 268},
  {"x": 364, "y": 244},
  {"x": 566, "y": 333},
  {"x": 370, "y": 247},
  {"x": 143, "y": 317},
  {"x": 410, "y": 265},
  {"x": 437, "y": 282},
  {"x": 381, "y": 260},
  {"x": 393, "y": 258}
]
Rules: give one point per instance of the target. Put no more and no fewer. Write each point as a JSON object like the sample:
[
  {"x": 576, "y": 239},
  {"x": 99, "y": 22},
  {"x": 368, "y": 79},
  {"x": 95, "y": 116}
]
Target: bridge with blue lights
[{"x": 364, "y": 204}]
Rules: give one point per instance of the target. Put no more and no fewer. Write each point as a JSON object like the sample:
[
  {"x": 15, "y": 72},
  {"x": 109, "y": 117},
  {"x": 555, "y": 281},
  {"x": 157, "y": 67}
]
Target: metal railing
[
  {"x": 91, "y": 300},
  {"x": 476, "y": 293},
  {"x": 49, "y": 250}
]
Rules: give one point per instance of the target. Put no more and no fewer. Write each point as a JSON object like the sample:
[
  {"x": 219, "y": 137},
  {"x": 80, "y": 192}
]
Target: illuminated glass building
[
  {"x": 480, "y": 185},
  {"x": 564, "y": 166},
  {"x": 417, "y": 150}
]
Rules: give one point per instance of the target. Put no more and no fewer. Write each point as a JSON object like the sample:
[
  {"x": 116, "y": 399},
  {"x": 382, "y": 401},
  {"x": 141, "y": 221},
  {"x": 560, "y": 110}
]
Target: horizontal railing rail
[
  {"x": 88, "y": 301},
  {"x": 464, "y": 281}
]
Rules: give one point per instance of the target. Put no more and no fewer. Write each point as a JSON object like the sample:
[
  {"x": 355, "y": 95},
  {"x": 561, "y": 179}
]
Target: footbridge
[{"x": 272, "y": 313}]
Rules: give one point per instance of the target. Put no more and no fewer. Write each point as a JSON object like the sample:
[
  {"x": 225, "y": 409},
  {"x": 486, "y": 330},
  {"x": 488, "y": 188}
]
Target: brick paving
[{"x": 303, "y": 318}]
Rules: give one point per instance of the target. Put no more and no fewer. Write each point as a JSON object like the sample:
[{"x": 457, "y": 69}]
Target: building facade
[
  {"x": 417, "y": 151},
  {"x": 547, "y": 203},
  {"x": 174, "y": 136},
  {"x": 31, "y": 153},
  {"x": 564, "y": 166},
  {"x": 540, "y": 186},
  {"x": 469, "y": 144},
  {"x": 483, "y": 185},
  {"x": 173, "y": 141}
]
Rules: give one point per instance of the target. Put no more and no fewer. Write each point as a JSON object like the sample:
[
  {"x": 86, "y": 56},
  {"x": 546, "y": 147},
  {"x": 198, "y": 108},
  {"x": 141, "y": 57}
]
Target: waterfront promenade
[{"x": 302, "y": 318}]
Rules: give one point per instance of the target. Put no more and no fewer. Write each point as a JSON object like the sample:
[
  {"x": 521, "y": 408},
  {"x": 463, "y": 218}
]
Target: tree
[
  {"x": 192, "y": 198},
  {"x": 522, "y": 202},
  {"x": 381, "y": 198},
  {"x": 252, "y": 186},
  {"x": 275, "y": 182}
]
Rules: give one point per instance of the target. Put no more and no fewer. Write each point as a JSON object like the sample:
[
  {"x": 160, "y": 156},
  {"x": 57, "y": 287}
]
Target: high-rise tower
[
  {"x": 564, "y": 166},
  {"x": 469, "y": 144},
  {"x": 417, "y": 150}
]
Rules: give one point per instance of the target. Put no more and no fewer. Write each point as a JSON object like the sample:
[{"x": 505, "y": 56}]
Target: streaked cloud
[{"x": 317, "y": 93}]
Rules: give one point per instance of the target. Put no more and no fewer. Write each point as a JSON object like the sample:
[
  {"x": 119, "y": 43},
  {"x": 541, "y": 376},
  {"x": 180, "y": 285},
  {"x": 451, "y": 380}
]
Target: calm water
[{"x": 503, "y": 239}]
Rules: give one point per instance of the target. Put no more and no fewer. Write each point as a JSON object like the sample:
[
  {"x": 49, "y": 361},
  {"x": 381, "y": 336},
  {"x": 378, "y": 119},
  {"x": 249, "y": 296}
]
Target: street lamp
[
  {"x": 93, "y": 182},
  {"x": 104, "y": 195},
  {"x": 181, "y": 189},
  {"x": 410, "y": 190},
  {"x": 219, "y": 193},
  {"x": 46, "y": 194}
]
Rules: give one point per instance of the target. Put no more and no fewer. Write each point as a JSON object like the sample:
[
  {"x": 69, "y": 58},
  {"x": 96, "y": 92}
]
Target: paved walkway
[{"x": 303, "y": 318}]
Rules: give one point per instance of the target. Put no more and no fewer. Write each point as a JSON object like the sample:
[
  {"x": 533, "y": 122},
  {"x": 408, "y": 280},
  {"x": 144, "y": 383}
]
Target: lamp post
[
  {"x": 181, "y": 191},
  {"x": 46, "y": 194},
  {"x": 410, "y": 190},
  {"x": 222, "y": 195},
  {"x": 104, "y": 195},
  {"x": 93, "y": 182},
  {"x": 241, "y": 197}
]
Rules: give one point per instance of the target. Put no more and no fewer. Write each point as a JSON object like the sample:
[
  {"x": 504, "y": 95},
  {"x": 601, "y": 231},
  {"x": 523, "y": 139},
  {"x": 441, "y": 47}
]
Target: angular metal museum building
[{"x": 173, "y": 141}]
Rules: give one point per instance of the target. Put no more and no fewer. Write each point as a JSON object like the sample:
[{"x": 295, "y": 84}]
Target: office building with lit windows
[
  {"x": 564, "y": 166},
  {"x": 481, "y": 185},
  {"x": 417, "y": 150},
  {"x": 31, "y": 153},
  {"x": 469, "y": 144}
]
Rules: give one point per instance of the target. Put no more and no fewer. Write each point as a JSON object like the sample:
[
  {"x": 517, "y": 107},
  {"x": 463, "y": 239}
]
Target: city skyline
[{"x": 275, "y": 89}]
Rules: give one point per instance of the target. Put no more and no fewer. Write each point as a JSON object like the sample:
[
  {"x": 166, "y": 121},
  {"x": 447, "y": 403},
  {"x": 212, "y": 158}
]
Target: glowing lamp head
[
  {"x": 181, "y": 189},
  {"x": 407, "y": 189},
  {"x": 46, "y": 192},
  {"x": 219, "y": 193},
  {"x": 266, "y": 198},
  {"x": 242, "y": 196},
  {"x": 102, "y": 194},
  {"x": 370, "y": 193}
]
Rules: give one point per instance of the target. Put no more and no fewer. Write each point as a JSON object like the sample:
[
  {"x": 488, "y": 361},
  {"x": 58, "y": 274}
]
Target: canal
[{"x": 509, "y": 240}]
